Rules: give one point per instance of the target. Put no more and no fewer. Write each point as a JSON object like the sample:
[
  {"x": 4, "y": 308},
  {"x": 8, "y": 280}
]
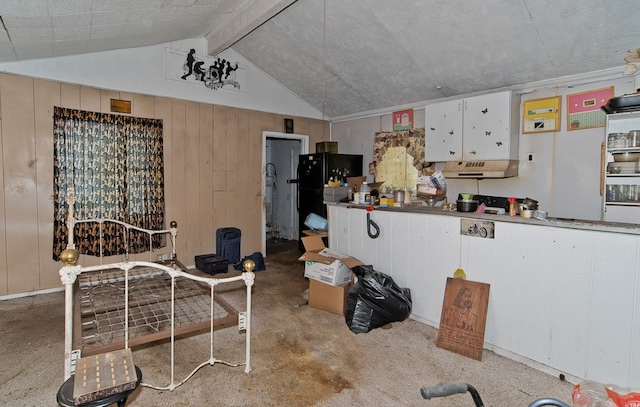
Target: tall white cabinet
[
  {"x": 621, "y": 180},
  {"x": 477, "y": 128}
]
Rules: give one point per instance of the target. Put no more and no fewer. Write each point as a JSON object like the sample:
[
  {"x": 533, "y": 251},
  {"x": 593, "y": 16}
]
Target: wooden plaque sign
[
  {"x": 463, "y": 319},
  {"x": 102, "y": 375}
]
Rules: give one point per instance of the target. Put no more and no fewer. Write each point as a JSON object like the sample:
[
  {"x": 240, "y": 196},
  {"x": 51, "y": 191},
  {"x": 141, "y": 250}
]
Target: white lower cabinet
[{"x": 561, "y": 300}]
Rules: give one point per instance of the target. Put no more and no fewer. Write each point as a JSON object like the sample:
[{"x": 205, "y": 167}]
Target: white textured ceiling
[{"x": 349, "y": 56}]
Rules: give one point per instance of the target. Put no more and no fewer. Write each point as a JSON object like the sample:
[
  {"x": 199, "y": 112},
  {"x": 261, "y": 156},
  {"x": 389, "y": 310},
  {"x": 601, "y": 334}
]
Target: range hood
[{"x": 481, "y": 169}]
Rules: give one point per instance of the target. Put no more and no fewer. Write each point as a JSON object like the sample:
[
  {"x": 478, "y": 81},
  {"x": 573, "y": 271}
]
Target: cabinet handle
[{"x": 603, "y": 152}]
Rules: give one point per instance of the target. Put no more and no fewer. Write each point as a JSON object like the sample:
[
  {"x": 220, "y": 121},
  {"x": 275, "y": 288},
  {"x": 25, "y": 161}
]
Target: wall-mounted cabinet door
[
  {"x": 487, "y": 127},
  {"x": 477, "y": 128},
  {"x": 443, "y": 131}
]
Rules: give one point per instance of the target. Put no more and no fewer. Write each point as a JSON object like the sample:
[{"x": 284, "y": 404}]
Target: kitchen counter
[
  {"x": 563, "y": 294},
  {"x": 583, "y": 224}
]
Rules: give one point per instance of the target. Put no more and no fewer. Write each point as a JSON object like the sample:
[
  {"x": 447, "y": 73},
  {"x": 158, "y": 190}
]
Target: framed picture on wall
[
  {"x": 541, "y": 115},
  {"x": 583, "y": 109},
  {"x": 288, "y": 125},
  {"x": 403, "y": 120}
]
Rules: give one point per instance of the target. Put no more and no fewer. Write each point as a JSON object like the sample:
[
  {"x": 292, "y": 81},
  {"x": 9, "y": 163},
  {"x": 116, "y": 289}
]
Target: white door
[
  {"x": 293, "y": 193},
  {"x": 280, "y": 197},
  {"x": 281, "y": 150}
]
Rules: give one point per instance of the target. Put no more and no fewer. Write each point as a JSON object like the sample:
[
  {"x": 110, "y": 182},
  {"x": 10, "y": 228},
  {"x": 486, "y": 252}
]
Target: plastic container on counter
[{"x": 365, "y": 192}]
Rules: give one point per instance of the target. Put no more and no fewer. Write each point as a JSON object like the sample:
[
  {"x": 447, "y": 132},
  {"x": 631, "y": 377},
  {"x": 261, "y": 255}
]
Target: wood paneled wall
[{"x": 213, "y": 172}]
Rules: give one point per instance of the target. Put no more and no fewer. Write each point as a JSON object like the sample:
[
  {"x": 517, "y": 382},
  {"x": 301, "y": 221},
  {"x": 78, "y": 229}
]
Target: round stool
[{"x": 65, "y": 395}]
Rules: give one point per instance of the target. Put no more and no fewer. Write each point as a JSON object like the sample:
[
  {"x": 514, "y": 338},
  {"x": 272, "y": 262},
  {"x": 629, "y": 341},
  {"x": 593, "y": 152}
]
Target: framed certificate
[
  {"x": 541, "y": 115},
  {"x": 583, "y": 109}
]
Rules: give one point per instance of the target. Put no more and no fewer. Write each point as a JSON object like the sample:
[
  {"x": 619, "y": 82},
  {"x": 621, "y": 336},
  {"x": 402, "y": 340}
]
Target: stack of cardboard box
[{"x": 329, "y": 274}]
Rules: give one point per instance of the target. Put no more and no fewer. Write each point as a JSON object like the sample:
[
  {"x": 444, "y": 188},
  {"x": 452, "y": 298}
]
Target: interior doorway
[{"x": 280, "y": 153}]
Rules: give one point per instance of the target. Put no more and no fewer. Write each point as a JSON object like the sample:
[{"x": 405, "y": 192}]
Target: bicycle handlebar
[
  {"x": 449, "y": 388},
  {"x": 443, "y": 389},
  {"x": 548, "y": 402}
]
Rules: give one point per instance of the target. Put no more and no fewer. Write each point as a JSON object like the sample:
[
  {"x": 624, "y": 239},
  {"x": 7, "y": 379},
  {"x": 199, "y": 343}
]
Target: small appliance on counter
[
  {"x": 495, "y": 201},
  {"x": 527, "y": 207},
  {"x": 335, "y": 194}
]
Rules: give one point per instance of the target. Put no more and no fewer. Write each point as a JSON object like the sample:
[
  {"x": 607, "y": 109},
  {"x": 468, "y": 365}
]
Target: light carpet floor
[{"x": 300, "y": 357}]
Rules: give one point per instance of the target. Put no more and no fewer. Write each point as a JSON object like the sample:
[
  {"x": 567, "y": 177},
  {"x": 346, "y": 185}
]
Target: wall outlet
[{"x": 531, "y": 158}]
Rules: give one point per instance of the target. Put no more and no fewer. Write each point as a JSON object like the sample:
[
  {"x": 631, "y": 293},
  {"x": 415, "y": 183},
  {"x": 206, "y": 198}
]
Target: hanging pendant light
[{"x": 324, "y": 64}]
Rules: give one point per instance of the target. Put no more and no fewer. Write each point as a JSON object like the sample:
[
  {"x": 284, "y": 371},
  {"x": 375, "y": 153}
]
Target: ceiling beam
[{"x": 242, "y": 23}]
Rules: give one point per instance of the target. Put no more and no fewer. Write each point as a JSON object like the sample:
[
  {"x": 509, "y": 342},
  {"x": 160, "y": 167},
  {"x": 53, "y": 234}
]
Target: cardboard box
[
  {"x": 327, "y": 147},
  {"x": 311, "y": 232},
  {"x": 326, "y": 265},
  {"x": 356, "y": 182},
  {"x": 375, "y": 185},
  {"x": 327, "y": 297}
]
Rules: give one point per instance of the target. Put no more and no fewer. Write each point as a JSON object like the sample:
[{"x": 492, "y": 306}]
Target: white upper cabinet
[
  {"x": 477, "y": 128},
  {"x": 487, "y": 127},
  {"x": 443, "y": 131}
]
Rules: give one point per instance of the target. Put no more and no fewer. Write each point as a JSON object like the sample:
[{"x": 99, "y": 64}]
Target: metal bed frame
[{"x": 167, "y": 301}]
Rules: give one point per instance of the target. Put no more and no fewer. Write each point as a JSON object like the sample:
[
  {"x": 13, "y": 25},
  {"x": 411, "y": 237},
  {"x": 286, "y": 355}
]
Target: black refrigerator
[{"x": 314, "y": 171}]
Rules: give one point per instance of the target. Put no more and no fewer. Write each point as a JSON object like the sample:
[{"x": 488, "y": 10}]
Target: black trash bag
[
  {"x": 375, "y": 300},
  {"x": 257, "y": 259}
]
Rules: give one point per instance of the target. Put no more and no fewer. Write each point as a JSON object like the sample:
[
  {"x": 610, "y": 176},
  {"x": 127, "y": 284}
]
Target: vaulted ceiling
[{"x": 349, "y": 56}]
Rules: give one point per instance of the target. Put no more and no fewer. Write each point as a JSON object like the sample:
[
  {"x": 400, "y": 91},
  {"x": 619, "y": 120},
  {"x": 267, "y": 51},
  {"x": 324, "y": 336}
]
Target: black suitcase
[
  {"x": 228, "y": 243},
  {"x": 212, "y": 264}
]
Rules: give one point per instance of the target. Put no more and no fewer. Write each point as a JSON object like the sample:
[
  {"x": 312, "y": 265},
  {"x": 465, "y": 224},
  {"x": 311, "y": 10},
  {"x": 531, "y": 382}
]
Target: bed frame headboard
[{"x": 72, "y": 222}]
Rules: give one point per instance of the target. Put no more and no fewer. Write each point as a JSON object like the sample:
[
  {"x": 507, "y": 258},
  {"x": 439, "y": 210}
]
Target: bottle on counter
[
  {"x": 365, "y": 192},
  {"x": 512, "y": 206}
]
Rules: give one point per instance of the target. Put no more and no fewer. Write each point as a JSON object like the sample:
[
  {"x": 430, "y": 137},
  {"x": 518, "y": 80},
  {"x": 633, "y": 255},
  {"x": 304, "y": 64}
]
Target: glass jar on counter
[
  {"x": 615, "y": 140},
  {"x": 613, "y": 193},
  {"x": 634, "y": 138},
  {"x": 630, "y": 193},
  {"x": 623, "y": 193}
]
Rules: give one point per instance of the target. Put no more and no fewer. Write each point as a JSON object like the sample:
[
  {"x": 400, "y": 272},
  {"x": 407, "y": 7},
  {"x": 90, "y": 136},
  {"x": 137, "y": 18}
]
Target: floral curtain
[{"x": 115, "y": 167}]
